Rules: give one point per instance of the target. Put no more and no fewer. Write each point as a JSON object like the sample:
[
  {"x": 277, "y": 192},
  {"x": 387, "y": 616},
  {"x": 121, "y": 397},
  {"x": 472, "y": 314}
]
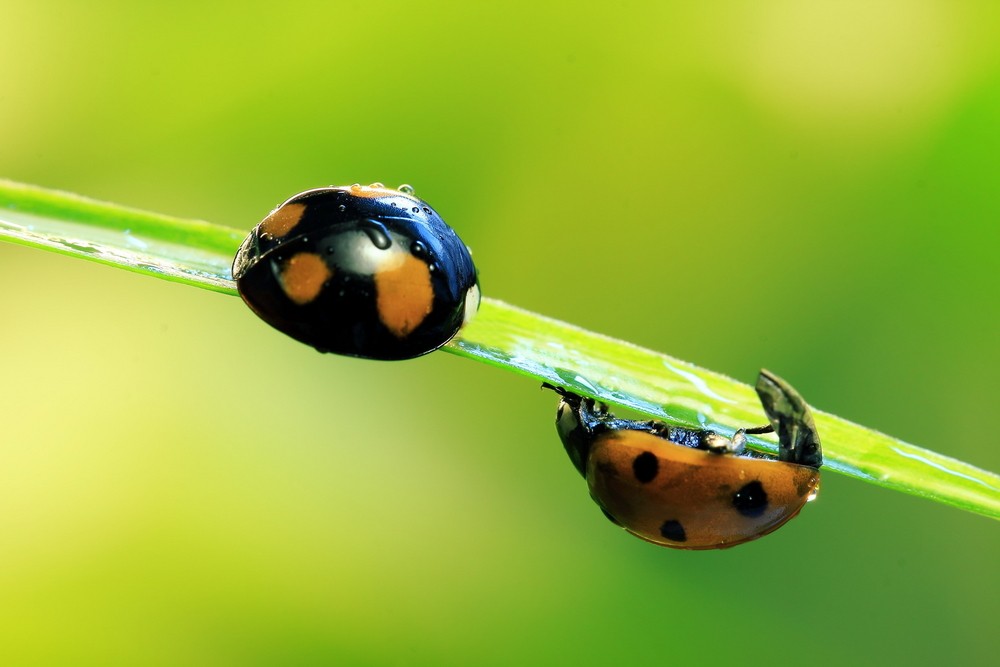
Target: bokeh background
[{"x": 811, "y": 186}]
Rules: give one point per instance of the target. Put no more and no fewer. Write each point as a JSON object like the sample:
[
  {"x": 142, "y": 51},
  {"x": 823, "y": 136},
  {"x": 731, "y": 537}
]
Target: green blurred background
[{"x": 181, "y": 485}]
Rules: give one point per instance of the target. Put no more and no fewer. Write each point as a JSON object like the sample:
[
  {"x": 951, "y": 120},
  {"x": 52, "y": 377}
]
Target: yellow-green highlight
[{"x": 809, "y": 187}]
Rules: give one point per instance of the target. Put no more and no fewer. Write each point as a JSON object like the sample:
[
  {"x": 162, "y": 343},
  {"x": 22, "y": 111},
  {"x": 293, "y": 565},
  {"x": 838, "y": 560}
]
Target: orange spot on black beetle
[
  {"x": 282, "y": 221},
  {"x": 404, "y": 295},
  {"x": 377, "y": 192},
  {"x": 303, "y": 277}
]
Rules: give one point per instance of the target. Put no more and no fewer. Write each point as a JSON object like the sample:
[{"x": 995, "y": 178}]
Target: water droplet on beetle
[
  {"x": 418, "y": 249},
  {"x": 416, "y": 209},
  {"x": 380, "y": 186},
  {"x": 406, "y": 189},
  {"x": 342, "y": 208},
  {"x": 377, "y": 233}
]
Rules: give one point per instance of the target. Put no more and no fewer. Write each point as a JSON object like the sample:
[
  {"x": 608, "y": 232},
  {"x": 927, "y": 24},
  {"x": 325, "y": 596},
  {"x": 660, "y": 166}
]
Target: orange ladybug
[{"x": 695, "y": 489}]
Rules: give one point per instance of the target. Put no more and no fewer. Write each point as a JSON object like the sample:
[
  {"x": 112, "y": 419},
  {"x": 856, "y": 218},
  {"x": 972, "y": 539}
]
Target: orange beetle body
[{"x": 695, "y": 489}]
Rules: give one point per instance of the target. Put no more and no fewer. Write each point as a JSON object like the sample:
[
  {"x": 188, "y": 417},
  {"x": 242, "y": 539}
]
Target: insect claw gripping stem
[{"x": 798, "y": 440}]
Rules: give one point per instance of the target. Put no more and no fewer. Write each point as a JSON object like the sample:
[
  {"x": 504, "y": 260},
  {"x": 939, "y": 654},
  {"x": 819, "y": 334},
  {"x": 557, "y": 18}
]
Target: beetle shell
[
  {"x": 694, "y": 488},
  {"x": 364, "y": 271},
  {"x": 690, "y": 498}
]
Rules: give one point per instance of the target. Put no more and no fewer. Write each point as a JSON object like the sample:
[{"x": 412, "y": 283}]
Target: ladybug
[
  {"x": 695, "y": 489},
  {"x": 365, "y": 271}
]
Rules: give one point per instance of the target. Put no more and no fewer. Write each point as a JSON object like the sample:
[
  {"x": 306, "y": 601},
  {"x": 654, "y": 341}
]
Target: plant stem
[{"x": 546, "y": 350}]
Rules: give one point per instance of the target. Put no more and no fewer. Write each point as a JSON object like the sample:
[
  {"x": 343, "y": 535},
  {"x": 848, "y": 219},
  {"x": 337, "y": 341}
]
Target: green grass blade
[
  {"x": 677, "y": 391},
  {"x": 186, "y": 251},
  {"x": 200, "y": 253}
]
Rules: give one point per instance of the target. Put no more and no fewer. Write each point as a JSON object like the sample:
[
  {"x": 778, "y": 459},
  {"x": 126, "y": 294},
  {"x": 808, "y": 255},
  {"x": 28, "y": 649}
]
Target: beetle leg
[
  {"x": 791, "y": 420},
  {"x": 720, "y": 444}
]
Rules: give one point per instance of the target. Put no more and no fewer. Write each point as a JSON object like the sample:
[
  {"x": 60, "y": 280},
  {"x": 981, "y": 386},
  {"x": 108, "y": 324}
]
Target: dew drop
[
  {"x": 380, "y": 186},
  {"x": 342, "y": 208},
  {"x": 377, "y": 233},
  {"x": 416, "y": 209},
  {"x": 418, "y": 249},
  {"x": 406, "y": 189}
]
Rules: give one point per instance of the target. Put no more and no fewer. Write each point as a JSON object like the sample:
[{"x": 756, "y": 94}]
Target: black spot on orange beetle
[
  {"x": 751, "y": 499},
  {"x": 645, "y": 466},
  {"x": 673, "y": 531}
]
